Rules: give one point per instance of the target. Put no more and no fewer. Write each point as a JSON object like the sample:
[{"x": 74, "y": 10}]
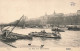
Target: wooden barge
[{"x": 45, "y": 35}]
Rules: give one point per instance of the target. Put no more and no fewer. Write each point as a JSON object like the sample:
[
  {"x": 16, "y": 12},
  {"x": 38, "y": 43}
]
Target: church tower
[{"x": 54, "y": 12}]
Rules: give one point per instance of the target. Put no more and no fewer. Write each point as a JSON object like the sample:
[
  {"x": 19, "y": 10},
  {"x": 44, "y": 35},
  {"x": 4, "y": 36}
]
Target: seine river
[{"x": 68, "y": 39}]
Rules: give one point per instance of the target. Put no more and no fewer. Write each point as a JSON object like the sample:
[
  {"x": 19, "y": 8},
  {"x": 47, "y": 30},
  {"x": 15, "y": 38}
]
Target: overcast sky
[{"x": 11, "y": 10}]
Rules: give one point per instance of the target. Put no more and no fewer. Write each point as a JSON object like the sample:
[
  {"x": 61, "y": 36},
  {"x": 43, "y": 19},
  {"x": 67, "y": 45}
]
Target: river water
[{"x": 68, "y": 39}]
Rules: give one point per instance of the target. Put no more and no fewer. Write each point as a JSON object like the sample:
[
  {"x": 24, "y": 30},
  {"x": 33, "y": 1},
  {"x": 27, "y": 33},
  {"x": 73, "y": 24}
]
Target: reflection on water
[{"x": 68, "y": 39}]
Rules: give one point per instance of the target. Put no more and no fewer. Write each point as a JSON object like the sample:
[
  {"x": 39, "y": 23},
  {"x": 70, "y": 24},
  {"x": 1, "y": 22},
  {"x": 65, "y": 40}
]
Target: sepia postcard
[{"x": 39, "y": 25}]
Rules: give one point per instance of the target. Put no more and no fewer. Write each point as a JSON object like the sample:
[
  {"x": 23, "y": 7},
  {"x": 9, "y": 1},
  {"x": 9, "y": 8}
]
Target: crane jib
[{"x": 16, "y": 24}]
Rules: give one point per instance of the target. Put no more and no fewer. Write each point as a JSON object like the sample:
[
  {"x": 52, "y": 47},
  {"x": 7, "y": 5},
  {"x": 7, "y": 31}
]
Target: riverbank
[{"x": 3, "y": 45}]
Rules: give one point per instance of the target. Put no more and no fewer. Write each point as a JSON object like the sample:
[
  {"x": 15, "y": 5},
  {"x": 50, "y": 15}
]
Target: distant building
[
  {"x": 73, "y": 14},
  {"x": 44, "y": 19},
  {"x": 78, "y": 12},
  {"x": 60, "y": 18},
  {"x": 56, "y": 14}
]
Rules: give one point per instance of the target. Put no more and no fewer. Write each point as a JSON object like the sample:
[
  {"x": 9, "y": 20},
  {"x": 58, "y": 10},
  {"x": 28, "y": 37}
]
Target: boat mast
[
  {"x": 16, "y": 24},
  {"x": 24, "y": 21}
]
